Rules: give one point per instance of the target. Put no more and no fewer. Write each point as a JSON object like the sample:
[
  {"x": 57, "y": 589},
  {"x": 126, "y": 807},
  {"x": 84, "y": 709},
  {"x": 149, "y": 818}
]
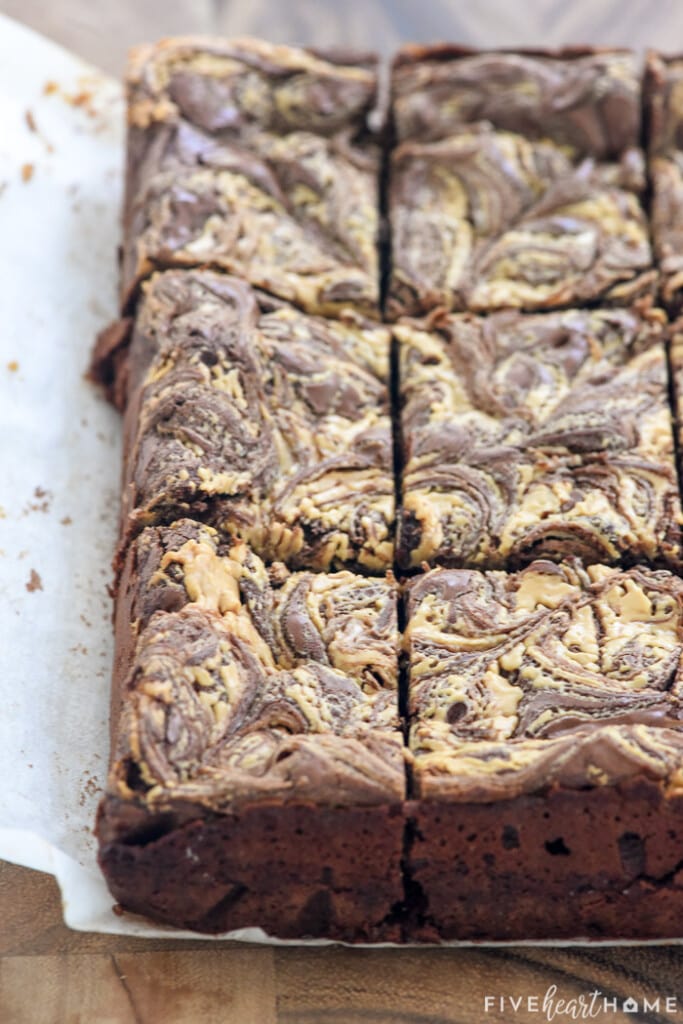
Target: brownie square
[
  {"x": 253, "y": 705},
  {"x": 663, "y": 90},
  {"x": 255, "y": 159},
  {"x": 547, "y": 743},
  {"x": 266, "y": 422},
  {"x": 528, "y": 435},
  {"x": 516, "y": 181}
]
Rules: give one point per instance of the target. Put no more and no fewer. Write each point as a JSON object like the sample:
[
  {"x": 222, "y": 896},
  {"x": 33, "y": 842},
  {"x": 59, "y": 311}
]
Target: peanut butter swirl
[
  {"x": 556, "y": 675},
  {"x": 264, "y": 421},
  {"x": 245, "y": 685},
  {"x": 537, "y": 435},
  {"x": 255, "y": 159},
  {"x": 516, "y": 182}
]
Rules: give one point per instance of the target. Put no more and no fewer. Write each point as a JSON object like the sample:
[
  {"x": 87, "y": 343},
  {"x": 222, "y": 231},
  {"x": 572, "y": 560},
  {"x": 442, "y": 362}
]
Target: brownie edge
[
  {"x": 603, "y": 863},
  {"x": 294, "y": 871}
]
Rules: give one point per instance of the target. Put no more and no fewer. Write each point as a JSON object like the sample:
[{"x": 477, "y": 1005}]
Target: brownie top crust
[
  {"x": 663, "y": 89},
  {"x": 255, "y": 159},
  {"x": 516, "y": 181},
  {"x": 247, "y": 684},
  {"x": 487, "y": 219},
  {"x": 554, "y": 676},
  {"x": 338, "y": 619},
  {"x": 228, "y": 85},
  {"x": 664, "y": 103},
  {"x": 588, "y": 100},
  {"x": 262, "y": 420},
  {"x": 537, "y": 435}
]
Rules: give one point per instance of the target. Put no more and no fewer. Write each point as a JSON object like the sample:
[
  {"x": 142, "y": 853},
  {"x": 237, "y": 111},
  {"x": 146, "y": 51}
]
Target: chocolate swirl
[
  {"x": 268, "y": 423},
  {"x": 556, "y": 674},
  {"x": 486, "y": 219},
  {"x": 537, "y": 435},
  {"x": 229, "y": 85},
  {"x": 341, "y": 621},
  {"x": 255, "y": 159},
  {"x": 663, "y": 89},
  {"x": 588, "y": 100},
  {"x": 240, "y": 676}
]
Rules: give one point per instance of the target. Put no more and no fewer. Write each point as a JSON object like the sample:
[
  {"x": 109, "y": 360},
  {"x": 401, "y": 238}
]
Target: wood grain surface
[{"x": 50, "y": 975}]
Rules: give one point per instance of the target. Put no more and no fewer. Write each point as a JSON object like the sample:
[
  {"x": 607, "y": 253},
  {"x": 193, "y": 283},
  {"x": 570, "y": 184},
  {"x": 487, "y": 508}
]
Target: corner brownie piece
[
  {"x": 547, "y": 744},
  {"x": 269, "y": 423},
  {"x": 515, "y": 181},
  {"x": 663, "y": 92},
  {"x": 257, "y": 159},
  {"x": 258, "y": 770},
  {"x": 528, "y": 435}
]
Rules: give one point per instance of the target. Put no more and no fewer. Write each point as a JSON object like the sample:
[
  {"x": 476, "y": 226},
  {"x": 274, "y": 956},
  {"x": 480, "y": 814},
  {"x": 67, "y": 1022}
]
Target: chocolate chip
[{"x": 456, "y": 712}]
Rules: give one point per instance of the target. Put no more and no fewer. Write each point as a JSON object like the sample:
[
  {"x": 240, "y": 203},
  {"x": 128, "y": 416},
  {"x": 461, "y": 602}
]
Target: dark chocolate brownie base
[
  {"x": 603, "y": 863},
  {"x": 294, "y": 871}
]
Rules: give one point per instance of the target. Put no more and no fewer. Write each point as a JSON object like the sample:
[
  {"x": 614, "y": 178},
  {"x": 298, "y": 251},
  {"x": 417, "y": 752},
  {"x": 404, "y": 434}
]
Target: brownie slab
[
  {"x": 515, "y": 181},
  {"x": 262, "y": 420},
  {"x": 256, "y": 159},
  {"x": 547, "y": 743},
  {"x": 663, "y": 85},
  {"x": 529, "y": 435},
  {"x": 252, "y": 705}
]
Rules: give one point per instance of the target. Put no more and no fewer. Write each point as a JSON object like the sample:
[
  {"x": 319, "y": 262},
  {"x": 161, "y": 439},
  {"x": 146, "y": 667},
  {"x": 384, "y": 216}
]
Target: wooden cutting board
[{"x": 50, "y": 975}]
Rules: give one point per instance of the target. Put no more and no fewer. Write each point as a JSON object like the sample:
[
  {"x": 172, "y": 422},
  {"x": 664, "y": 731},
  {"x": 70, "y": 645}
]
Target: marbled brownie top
[
  {"x": 584, "y": 99},
  {"x": 516, "y": 181},
  {"x": 247, "y": 684},
  {"x": 664, "y": 105},
  {"x": 256, "y": 159},
  {"x": 231, "y": 84},
  {"x": 261, "y": 419},
  {"x": 556, "y": 675},
  {"x": 538, "y": 434}
]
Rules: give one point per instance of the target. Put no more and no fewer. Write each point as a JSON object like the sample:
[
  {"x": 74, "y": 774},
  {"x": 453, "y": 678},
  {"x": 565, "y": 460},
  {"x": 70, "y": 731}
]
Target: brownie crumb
[
  {"x": 34, "y": 582},
  {"x": 41, "y": 504}
]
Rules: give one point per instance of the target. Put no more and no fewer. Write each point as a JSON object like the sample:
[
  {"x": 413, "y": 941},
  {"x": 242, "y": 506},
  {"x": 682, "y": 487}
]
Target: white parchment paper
[
  {"x": 61, "y": 162},
  {"x": 61, "y": 155}
]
